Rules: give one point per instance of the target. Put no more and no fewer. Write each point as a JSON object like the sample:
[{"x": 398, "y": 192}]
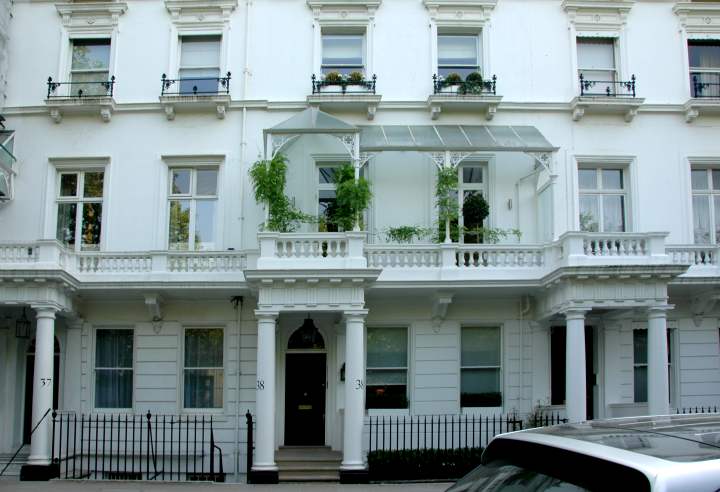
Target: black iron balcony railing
[
  {"x": 705, "y": 84},
  {"x": 464, "y": 87},
  {"x": 195, "y": 86},
  {"x": 343, "y": 85},
  {"x": 607, "y": 88},
  {"x": 102, "y": 88}
]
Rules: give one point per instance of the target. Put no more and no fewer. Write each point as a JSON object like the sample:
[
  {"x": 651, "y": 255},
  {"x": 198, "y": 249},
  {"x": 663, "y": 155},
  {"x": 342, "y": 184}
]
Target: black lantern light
[{"x": 22, "y": 326}]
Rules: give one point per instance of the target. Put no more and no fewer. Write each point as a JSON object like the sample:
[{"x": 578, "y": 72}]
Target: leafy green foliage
[
  {"x": 356, "y": 78},
  {"x": 352, "y": 198},
  {"x": 452, "y": 78},
  {"x": 405, "y": 234},
  {"x": 475, "y": 210},
  {"x": 269, "y": 179},
  {"x": 446, "y": 196},
  {"x": 474, "y": 77},
  {"x": 422, "y": 464},
  {"x": 333, "y": 77}
]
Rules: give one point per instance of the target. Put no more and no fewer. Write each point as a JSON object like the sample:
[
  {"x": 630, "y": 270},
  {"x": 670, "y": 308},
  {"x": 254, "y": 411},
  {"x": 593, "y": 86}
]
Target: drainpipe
[
  {"x": 524, "y": 311},
  {"x": 237, "y": 303},
  {"x": 243, "y": 143}
]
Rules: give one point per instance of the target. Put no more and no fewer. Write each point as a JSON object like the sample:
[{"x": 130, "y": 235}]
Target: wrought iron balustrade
[
  {"x": 136, "y": 447},
  {"x": 343, "y": 85},
  {"x": 101, "y": 88},
  {"x": 607, "y": 88},
  {"x": 705, "y": 84},
  {"x": 465, "y": 87},
  {"x": 195, "y": 86}
]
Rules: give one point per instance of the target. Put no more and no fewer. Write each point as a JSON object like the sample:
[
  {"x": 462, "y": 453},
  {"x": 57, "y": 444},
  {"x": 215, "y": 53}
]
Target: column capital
[
  {"x": 659, "y": 311},
  {"x": 574, "y": 313},
  {"x": 266, "y": 315},
  {"x": 44, "y": 311},
  {"x": 355, "y": 315}
]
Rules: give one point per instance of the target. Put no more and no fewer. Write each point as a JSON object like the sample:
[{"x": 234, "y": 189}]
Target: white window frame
[
  {"x": 701, "y": 70},
  {"x": 672, "y": 385},
  {"x": 131, "y": 368},
  {"x": 90, "y": 70},
  {"x": 699, "y": 22},
  {"x": 181, "y": 388},
  {"x": 601, "y": 192},
  {"x": 193, "y": 198},
  {"x": 615, "y": 69},
  {"x": 218, "y": 66},
  {"x": 710, "y": 194},
  {"x": 477, "y": 34},
  {"x": 628, "y": 165},
  {"x": 80, "y": 200},
  {"x": 463, "y": 187},
  {"x": 408, "y": 332},
  {"x": 347, "y": 33},
  {"x": 499, "y": 327}
]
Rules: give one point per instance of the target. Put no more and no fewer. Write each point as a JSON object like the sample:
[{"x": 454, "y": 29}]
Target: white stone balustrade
[
  {"x": 619, "y": 248},
  {"x": 499, "y": 256},
  {"x": 694, "y": 255},
  {"x": 331, "y": 250},
  {"x": 403, "y": 256}
]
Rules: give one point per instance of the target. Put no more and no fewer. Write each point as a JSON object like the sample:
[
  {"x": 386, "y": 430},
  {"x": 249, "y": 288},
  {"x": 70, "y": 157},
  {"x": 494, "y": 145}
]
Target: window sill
[
  {"x": 709, "y": 106},
  {"x": 337, "y": 101},
  {"x": 484, "y": 103},
  {"x": 102, "y": 105},
  {"x": 625, "y": 106},
  {"x": 202, "y": 102}
]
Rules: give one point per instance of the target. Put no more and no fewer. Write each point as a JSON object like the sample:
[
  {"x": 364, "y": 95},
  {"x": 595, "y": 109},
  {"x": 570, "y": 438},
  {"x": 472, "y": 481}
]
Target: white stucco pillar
[
  {"x": 43, "y": 385},
  {"x": 354, "y": 391},
  {"x": 575, "y": 383},
  {"x": 658, "y": 389},
  {"x": 264, "y": 459}
]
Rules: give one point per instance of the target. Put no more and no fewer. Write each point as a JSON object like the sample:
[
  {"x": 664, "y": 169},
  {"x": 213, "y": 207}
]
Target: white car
[{"x": 674, "y": 453}]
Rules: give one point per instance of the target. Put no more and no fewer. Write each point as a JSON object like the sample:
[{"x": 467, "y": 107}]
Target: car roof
[{"x": 677, "y": 438}]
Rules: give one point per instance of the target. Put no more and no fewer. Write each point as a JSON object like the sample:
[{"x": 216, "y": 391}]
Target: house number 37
[{"x": 45, "y": 381}]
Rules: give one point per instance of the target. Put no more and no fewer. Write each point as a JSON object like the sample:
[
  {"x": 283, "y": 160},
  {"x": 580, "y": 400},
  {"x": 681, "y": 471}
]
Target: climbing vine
[{"x": 352, "y": 198}]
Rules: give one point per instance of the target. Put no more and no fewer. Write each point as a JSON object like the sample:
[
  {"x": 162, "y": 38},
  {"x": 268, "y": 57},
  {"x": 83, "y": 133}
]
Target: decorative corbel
[
  {"x": 55, "y": 115},
  {"x": 170, "y": 112},
  {"x": 153, "y": 304},
  {"x": 702, "y": 305},
  {"x": 441, "y": 303},
  {"x": 371, "y": 110}
]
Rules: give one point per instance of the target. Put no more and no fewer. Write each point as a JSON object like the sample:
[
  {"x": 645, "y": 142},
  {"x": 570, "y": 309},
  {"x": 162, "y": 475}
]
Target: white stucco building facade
[{"x": 131, "y": 240}]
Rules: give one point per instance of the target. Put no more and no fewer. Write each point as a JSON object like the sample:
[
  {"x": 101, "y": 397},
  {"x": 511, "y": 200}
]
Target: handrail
[
  {"x": 616, "y": 91},
  {"x": 213, "y": 447},
  {"x": 23, "y": 444}
]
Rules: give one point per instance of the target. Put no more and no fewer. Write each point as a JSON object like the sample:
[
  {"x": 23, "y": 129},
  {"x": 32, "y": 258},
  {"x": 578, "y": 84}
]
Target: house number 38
[
  {"x": 261, "y": 384},
  {"x": 359, "y": 384}
]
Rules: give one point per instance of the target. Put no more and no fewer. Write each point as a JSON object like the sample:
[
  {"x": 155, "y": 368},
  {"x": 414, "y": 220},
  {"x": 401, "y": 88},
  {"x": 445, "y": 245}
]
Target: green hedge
[{"x": 422, "y": 464}]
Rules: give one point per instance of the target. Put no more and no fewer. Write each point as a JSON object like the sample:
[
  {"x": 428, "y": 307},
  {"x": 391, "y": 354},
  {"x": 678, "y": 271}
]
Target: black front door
[{"x": 305, "y": 400}]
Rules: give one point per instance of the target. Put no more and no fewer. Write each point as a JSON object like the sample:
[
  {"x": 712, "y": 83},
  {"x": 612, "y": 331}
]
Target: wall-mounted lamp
[{"x": 22, "y": 326}]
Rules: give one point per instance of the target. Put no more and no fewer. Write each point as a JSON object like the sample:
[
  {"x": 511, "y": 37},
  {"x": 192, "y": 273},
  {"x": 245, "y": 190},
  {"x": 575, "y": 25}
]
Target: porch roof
[
  {"x": 312, "y": 120},
  {"x": 460, "y": 138}
]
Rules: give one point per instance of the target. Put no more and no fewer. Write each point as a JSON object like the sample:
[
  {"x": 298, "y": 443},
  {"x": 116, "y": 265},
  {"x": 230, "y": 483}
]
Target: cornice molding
[
  {"x": 344, "y": 11},
  {"x": 91, "y": 15},
  {"x": 460, "y": 11},
  {"x": 699, "y": 17},
  {"x": 598, "y": 14},
  {"x": 200, "y": 11}
]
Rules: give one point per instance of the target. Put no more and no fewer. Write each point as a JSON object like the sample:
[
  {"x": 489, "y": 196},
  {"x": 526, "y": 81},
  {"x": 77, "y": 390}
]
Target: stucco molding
[
  {"x": 200, "y": 12},
  {"x": 92, "y": 16},
  {"x": 460, "y": 12},
  {"x": 701, "y": 18},
  {"x": 343, "y": 12},
  {"x": 598, "y": 15}
]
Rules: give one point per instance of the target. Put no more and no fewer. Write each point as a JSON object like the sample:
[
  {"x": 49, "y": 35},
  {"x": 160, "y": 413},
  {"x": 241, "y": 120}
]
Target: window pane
[
  {"x": 200, "y": 51},
  {"x": 704, "y": 54},
  {"x": 91, "y": 54},
  {"x": 206, "y": 182},
  {"x": 716, "y": 179},
  {"x": 640, "y": 382},
  {"x": 596, "y": 53},
  {"x": 480, "y": 346},
  {"x": 326, "y": 205},
  {"x": 93, "y": 186},
  {"x": 204, "y": 224},
  {"x": 326, "y": 175},
  {"x": 480, "y": 388},
  {"x": 204, "y": 347},
  {"x": 640, "y": 346},
  {"x": 65, "y": 232},
  {"x": 612, "y": 179},
  {"x": 113, "y": 388},
  {"x": 386, "y": 347},
  {"x": 472, "y": 174},
  {"x": 613, "y": 213},
  {"x": 91, "y": 225},
  {"x": 114, "y": 348},
  {"x": 203, "y": 388},
  {"x": 587, "y": 179},
  {"x": 342, "y": 50},
  {"x": 701, "y": 219},
  {"x": 386, "y": 396},
  {"x": 91, "y": 87},
  {"x": 68, "y": 184},
  {"x": 699, "y": 179},
  {"x": 457, "y": 50},
  {"x": 386, "y": 377},
  {"x": 589, "y": 214},
  {"x": 199, "y": 80},
  {"x": 179, "y": 229},
  {"x": 180, "y": 182}
]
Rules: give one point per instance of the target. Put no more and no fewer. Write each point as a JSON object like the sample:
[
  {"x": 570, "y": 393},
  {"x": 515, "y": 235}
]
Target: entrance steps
[
  {"x": 308, "y": 464},
  {"x": 13, "y": 471}
]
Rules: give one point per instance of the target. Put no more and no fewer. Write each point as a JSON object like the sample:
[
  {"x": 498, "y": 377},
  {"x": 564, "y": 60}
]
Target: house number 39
[
  {"x": 261, "y": 384},
  {"x": 359, "y": 384}
]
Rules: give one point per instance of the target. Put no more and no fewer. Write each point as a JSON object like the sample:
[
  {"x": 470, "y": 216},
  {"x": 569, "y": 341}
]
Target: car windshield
[{"x": 502, "y": 476}]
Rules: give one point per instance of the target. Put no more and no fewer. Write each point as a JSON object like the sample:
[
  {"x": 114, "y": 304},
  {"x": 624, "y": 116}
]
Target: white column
[
  {"x": 658, "y": 390},
  {"x": 575, "y": 383},
  {"x": 354, "y": 390},
  {"x": 265, "y": 395},
  {"x": 43, "y": 386}
]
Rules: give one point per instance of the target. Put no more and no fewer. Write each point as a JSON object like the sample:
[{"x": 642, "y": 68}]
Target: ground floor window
[
  {"x": 387, "y": 368},
  {"x": 113, "y": 368},
  {"x": 640, "y": 374},
  {"x": 203, "y": 372},
  {"x": 480, "y": 367}
]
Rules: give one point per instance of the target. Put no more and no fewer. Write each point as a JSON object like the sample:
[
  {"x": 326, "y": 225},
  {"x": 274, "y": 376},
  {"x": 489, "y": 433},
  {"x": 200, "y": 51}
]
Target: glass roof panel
[
  {"x": 506, "y": 137},
  {"x": 532, "y": 137},
  {"x": 453, "y": 137},
  {"x": 372, "y": 137},
  {"x": 479, "y": 136},
  {"x": 399, "y": 136},
  {"x": 426, "y": 136}
]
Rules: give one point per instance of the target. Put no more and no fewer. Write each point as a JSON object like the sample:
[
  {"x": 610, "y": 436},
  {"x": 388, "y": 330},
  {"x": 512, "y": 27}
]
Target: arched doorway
[
  {"x": 29, "y": 379},
  {"x": 305, "y": 385}
]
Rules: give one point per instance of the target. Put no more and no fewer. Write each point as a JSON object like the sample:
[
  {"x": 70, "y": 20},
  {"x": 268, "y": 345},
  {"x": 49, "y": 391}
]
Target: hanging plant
[
  {"x": 352, "y": 198},
  {"x": 269, "y": 179}
]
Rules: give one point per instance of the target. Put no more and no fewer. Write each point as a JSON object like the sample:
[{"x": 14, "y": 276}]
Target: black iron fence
[
  {"x": 339, "y": 84},
  {"x": 705, "y": 84},
  {"x": 607, "y": 88},
  {"x": 136, "y": 447},
  {"x": 195, "y": 86},
  {"x": 708, "y": 409},
  {"x": 101, "y": 88},
  {"x": 450, "y": 85}
]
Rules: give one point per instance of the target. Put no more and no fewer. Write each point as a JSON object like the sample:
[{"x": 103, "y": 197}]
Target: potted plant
[
  {"x": 333, "y": 79},
  {"x": 451, "y": 82},
  {"x": 475, "y": 210},
  {"x": 474, "y": 84},
  {"x": 352, "y": 199}
]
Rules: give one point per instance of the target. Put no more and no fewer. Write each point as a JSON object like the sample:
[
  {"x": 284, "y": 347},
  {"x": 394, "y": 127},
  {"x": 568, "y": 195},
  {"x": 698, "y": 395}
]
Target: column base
[
  {"x": 39, "y": 473},
  {"x": 263, "y": 476},
  {"x": 354, "y": 476}
]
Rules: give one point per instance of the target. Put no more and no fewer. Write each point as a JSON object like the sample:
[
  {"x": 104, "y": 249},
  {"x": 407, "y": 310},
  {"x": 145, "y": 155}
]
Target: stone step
[
  {"x": 309, "y": 466},
  {"x": 310, "y": 476},
  {"x": 307, "y": 454}
]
